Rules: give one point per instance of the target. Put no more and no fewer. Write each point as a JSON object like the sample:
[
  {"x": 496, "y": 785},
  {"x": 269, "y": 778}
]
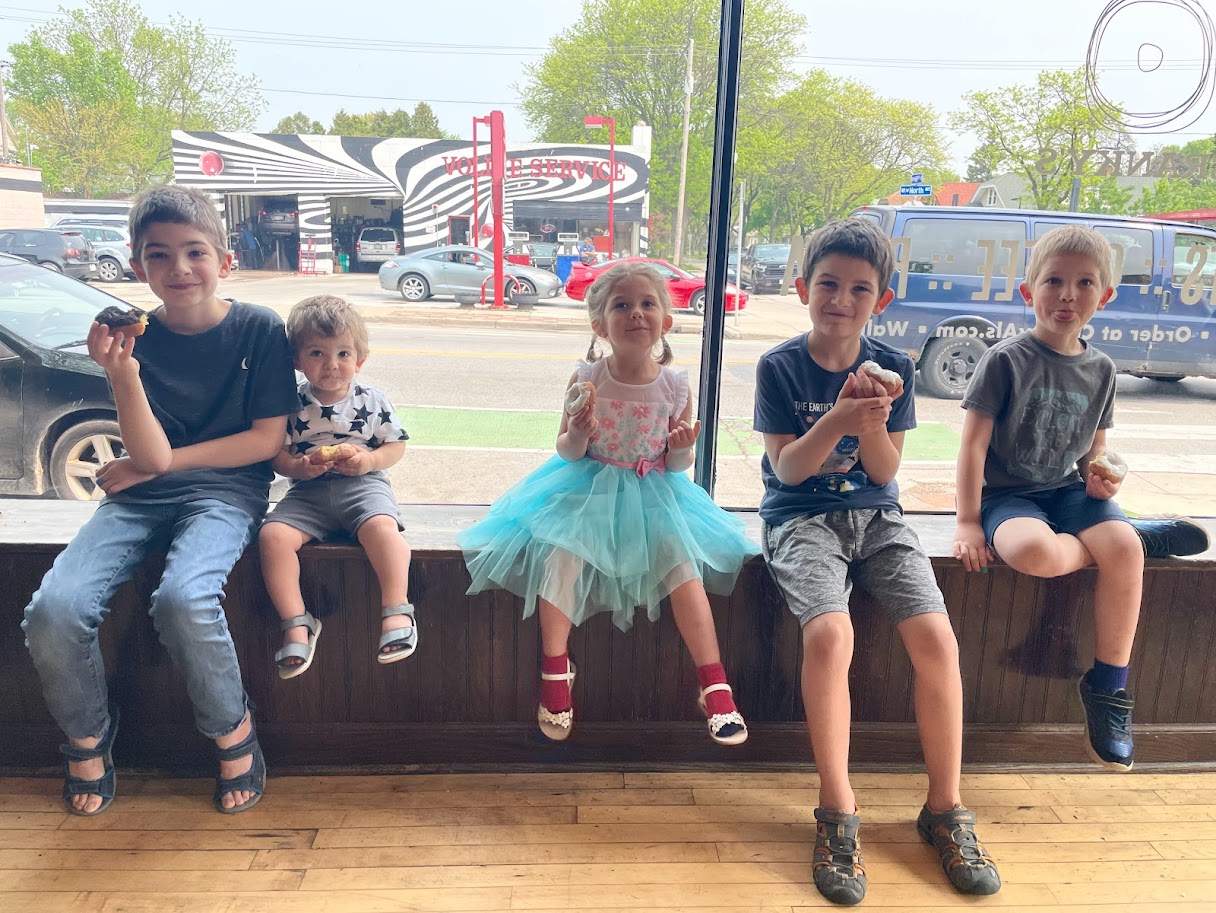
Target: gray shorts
[
  {"x": 335, "y": 503},
  {"x": 816, "y": 560}
]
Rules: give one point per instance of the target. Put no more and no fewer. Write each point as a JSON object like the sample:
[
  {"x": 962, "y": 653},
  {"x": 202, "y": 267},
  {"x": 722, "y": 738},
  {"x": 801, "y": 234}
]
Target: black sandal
[
  {"x": 104, "y": 786},
  {"x": 253, "y": 780}
]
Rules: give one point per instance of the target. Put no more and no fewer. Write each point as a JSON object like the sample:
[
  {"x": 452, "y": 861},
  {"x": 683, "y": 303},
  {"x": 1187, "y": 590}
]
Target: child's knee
[
  {"x": 828, "y": 638},
  {"x": 930, "y": 642},
  {"x": 59, "y": 611},
  {"x": 381, "y": 526},
  {"x": 1038, "y": 554},
  {"x": 277, "y": 536},
  {"x": 1116, "y": 546}
]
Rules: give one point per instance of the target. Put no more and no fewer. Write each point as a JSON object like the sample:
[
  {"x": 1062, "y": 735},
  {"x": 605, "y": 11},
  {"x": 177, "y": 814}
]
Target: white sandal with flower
[
  {"x": 724, "y": 728},
  {"x": 557, "y": 726}
]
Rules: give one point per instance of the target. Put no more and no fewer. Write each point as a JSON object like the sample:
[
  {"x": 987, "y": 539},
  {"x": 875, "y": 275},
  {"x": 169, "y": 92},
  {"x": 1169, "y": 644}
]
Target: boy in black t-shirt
[
  {"x": 833, "y": 439},
  {"x": 202, "y": 398}
]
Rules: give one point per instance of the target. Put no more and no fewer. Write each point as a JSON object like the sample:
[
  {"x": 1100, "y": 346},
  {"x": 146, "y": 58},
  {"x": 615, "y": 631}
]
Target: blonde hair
[
  {"x": 179, "y": 206},
  {"x": 327, "y": 316},
  {"x": 1073, "y": 239},
  {"x": 600, "y": 293}
]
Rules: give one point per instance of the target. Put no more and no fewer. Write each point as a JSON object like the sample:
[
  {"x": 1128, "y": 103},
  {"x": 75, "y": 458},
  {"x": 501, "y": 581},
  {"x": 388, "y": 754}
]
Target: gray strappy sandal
[
  {"x": 304, "y": 651},
  {"x": 403, "y": 640}
]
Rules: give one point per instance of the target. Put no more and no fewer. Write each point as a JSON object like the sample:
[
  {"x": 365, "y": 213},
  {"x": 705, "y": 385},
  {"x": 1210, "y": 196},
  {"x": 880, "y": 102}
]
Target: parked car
[
  {"x": 763, "y": 268},
  {"x": 112, "y": 247},
  {"x": 63, "y": 426},
  {"x": 687, "y": 291},
  {"x": 108, "y": 221},
  {"x": 732, "y": 267},
  {"x": 375, "y": 245},
  {"x": 957, "y": 272},
  {"x": 459, "y": 270},
  {"x": 65, "y": 251},
  {"x": 279, "y": 216}
]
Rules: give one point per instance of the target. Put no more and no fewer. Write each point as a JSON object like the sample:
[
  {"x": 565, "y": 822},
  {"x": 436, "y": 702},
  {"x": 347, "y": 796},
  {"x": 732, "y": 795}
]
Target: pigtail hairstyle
[{"x": 600, "y": 292}]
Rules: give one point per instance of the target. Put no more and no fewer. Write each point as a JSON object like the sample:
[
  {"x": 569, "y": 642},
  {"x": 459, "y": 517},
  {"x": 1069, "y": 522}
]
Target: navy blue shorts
[{"x": 1066, "y": 510}]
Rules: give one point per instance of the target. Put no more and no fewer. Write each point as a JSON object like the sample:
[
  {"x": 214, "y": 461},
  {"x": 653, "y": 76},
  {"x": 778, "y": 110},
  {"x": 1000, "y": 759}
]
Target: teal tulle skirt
[{"x": 590, "y": 537}]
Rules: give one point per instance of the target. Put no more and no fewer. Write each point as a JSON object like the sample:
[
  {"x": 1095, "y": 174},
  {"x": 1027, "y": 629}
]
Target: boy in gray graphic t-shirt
[{"x": 1037, "y": 412}]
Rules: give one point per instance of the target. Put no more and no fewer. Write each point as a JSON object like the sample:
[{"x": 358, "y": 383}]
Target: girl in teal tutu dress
[{"x": 613, "y": 522}]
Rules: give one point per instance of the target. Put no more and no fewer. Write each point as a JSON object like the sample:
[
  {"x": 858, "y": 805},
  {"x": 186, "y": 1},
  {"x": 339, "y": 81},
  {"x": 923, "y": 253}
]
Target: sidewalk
[{"x": 765, "y": 317}]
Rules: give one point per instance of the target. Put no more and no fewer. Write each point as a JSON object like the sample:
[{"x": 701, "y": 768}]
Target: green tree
[
  {"x": 1017, "y": 124},
  {"x": 1175, "y": 195},
  {"x": 99, "y": 90},
  {"x": 298, "y": 123},
  {"x": 626, "y": 59},
  {"x": 422, "y": 124},
  {"x": 830, "y": 145}
]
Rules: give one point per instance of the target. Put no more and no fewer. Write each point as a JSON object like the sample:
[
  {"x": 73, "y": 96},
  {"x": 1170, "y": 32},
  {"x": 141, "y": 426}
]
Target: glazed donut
[
  {"x": 129, "y": 322},
  {"x": 1109, "y": 466},
  {"x": 578, "y": 396},
  {"x": 890, "y": 379},
  {"x": 331, "y": 453}
]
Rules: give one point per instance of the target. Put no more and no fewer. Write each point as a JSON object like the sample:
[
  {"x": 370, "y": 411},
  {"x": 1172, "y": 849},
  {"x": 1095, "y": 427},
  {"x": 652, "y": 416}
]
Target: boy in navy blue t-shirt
[
  {"x": 202, "y": 397},
  {"x": 833, "y": 423}
]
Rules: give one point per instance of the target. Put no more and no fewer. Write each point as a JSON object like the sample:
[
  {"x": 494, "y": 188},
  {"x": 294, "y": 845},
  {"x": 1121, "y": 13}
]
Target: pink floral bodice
[{"x": 634, "y": 419}]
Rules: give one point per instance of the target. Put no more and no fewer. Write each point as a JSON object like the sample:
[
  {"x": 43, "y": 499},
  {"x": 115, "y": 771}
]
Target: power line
[{"x": 438, "y": 101}]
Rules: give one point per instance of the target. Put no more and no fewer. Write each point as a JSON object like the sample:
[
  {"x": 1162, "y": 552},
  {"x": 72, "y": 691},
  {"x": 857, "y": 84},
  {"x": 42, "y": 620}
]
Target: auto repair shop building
[{"x": 327, "y": 188}]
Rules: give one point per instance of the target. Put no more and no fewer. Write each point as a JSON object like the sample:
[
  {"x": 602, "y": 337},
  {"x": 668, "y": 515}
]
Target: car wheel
[
  {"x": 79, "y": 453},
  {"x": 1169, "y": 378},
  {"x": 520, "y": 287},
  {"x": 947, "y": 366},
  {"x": 414, "y": 288},
  {"x": 51, "y": 265},
  {"x": 696, "y": 303},
  {"x": 109, "y": 270}
]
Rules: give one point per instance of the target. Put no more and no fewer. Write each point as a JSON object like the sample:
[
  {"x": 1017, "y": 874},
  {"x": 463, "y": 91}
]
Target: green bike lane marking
[{"x": 525, "y": 430}]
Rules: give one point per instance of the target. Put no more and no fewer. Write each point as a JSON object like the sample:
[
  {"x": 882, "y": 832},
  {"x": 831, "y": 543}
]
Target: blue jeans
[{"x": 203, "y": 540}]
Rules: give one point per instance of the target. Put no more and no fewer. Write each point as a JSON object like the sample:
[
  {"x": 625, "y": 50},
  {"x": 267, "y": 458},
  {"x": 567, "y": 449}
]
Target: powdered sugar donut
[
  {"x": 1109, "y": 466},
  {"x": 881, "y": 374},
  {"x": 578, "y": 396}
]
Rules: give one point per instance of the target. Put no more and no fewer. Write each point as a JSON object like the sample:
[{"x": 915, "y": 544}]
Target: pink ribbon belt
[{"x": 641, "y": 467}]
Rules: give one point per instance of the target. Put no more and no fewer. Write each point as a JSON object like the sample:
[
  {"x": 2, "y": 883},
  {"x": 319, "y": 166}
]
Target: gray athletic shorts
[
  {"x": 334, "y": 503},
  {"x": 816, "y": 560}
]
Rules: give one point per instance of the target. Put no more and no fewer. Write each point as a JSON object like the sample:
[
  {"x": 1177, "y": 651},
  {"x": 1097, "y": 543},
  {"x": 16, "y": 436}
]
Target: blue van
[{"x": 957, "y": 272}]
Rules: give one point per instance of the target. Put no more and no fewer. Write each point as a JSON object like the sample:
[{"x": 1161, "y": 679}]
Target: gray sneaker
[{"x": 837, "y": 868}]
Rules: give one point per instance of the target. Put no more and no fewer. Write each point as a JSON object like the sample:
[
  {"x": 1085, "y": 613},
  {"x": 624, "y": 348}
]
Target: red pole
[
  {"x": 498, "y": 168},
  {"x": 611, "y": 187},
  {"x": 476, "y": 236}
]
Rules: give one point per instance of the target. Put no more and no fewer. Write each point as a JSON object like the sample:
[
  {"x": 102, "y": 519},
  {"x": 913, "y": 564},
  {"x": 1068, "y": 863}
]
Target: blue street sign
[
  {"x": 918, "y": 178},
  {"x": 915, "y": 190}
]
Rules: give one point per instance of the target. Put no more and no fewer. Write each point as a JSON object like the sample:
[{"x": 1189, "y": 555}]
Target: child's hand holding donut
[
  {"x": 360, "y": 462},
  {"x": 1105, "y": 475},
  {"x": 888, "y": 383},
  {"x": 584, "y": 422},
  {"x": 304, "y": 468},
  {"x": 112, "y": 351}
]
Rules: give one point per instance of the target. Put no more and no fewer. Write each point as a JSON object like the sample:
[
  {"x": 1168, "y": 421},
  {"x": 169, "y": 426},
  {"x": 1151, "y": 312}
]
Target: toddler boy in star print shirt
[{"x": 339, "y": 443}]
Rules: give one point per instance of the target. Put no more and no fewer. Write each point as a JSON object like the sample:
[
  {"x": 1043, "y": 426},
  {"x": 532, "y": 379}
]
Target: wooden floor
[{"x": 1084, "y": 842}]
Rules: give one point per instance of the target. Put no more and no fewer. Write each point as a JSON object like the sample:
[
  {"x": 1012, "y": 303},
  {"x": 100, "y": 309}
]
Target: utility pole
[
  {"x": 3, "y": 116},
  {"x": 679, "y": 251}
]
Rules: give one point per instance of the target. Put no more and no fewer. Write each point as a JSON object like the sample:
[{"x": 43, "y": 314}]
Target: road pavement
[{"x": 480, "y": 392}]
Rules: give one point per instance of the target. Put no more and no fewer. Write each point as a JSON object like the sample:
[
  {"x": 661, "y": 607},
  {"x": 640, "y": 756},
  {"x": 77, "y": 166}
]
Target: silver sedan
[{"x": 461, "y": 271}]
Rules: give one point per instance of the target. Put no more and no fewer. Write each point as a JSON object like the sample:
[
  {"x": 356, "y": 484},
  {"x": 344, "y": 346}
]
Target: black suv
[
  {"x": 764, "y": 267},
  {"x": 66, "y": 250}
]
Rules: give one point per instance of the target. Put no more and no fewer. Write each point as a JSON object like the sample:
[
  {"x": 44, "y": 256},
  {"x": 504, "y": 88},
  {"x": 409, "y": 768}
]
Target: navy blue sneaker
[
  {"x": 1108, "y": 725},
  {"x": 1164, "y": 537}
]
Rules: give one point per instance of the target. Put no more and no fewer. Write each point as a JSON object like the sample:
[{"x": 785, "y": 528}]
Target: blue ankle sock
[{"x": 1106, "y": 678}]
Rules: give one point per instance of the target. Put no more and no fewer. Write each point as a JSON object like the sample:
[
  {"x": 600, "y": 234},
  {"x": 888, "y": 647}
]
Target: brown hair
[
  {"x": 1073, "y": 239},
  {"x": 861, "y": 239},
  {"x": 327, "y": 316},
  {"x": 600, "y": 293},
  {"x": 181, "y": 206}
]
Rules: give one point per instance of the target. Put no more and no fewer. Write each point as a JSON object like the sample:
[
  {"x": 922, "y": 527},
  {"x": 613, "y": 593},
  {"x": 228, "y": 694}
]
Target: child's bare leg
[
  {"x": 695, "y": 621},
  {"x": 1120, "y": 558},
  {"x": 933, "y": 649},
  {"x": 1030, "y": 546},
  {"x": 827, "y": 653},
  {"x": 278, "y": 548},
  {"x": 389, "y": 555}
]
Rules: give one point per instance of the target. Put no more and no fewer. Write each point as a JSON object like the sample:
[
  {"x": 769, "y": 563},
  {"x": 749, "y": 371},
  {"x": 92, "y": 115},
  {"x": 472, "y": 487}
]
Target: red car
[{"x": 687, "y": 291}]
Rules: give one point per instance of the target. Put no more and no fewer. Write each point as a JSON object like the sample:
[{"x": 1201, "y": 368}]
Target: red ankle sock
[
  {"x": 715, "y": 701},
  {"x": 555, "y": 695}
]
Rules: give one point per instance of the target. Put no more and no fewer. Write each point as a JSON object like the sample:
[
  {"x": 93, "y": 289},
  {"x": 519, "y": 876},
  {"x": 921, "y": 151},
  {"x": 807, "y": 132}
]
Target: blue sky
[{"x": 954, "y": 48}]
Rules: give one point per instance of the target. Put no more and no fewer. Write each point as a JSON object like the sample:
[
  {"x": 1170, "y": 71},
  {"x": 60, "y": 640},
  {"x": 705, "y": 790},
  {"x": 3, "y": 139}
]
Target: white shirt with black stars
[{"x": 365, "y": 417}]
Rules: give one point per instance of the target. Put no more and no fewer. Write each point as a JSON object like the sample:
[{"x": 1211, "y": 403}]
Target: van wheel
[
  {"x": 1169, "y": 378},
  {"x": 947, "y": 366},
  {"x": 79, "y": 453}
]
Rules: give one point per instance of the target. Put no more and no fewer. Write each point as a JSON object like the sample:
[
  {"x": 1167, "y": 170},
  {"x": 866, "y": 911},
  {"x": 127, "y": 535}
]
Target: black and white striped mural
[{"x": 432, "y": 179}]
